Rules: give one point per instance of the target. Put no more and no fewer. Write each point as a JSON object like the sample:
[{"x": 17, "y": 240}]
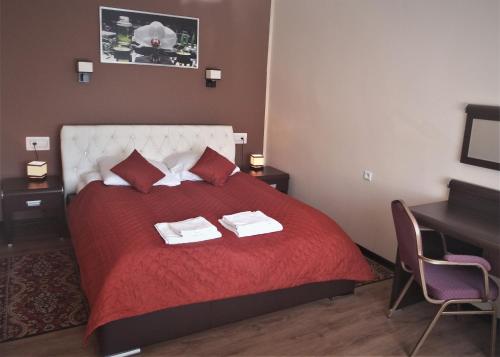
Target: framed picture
[{"x": 137, "y": 37}]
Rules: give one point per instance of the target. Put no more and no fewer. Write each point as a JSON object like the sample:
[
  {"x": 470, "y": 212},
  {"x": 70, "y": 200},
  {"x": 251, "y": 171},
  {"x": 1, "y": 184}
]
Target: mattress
[{"x": 127, "y": 270}]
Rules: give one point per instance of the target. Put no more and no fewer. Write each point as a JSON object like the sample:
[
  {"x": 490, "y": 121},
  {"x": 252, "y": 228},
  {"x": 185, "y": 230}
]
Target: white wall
[{"x": 380, "y": 85}]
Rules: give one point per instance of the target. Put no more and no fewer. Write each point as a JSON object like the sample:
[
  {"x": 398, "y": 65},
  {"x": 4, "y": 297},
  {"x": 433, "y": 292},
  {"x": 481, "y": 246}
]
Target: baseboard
[{"x": 374, "y": 256}]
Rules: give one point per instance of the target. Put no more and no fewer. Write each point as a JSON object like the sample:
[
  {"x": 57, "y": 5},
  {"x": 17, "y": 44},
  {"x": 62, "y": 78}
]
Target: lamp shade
[
  {"x": 36, "y": 170},
  {"x": 213, "y": 74},
  {"x": 257, "y": 161},
  {"x": 85, "y": 67}
]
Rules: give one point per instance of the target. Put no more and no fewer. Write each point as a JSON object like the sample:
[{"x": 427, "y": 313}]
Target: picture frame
[{"x": 148, "y": 38}]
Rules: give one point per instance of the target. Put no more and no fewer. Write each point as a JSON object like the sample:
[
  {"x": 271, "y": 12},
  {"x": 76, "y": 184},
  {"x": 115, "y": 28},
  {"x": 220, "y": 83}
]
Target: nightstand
[
  {"x": 272, "y": 176},
  {"x": 30, "y": 203}
]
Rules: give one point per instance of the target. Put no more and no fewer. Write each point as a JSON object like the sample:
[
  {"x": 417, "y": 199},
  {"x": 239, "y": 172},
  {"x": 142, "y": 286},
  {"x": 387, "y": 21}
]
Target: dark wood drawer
[
  {"x": 270, "y": 175},
  {"x": 33, "y": 201}
]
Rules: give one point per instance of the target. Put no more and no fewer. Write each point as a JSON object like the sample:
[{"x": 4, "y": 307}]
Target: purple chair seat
[{"x": 452, "y": 282}]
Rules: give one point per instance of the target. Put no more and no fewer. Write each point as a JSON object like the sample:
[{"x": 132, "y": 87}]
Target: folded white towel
[
  {"x": 250, "y": 223},
  {"x": 247, "y": 232},
  {"x": 173, "y": 236},
  {"x": 193, "y": 227}
]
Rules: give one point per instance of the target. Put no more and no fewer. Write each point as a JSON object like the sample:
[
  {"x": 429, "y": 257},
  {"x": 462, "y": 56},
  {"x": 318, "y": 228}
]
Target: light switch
[{"x": 42, "y": 143}]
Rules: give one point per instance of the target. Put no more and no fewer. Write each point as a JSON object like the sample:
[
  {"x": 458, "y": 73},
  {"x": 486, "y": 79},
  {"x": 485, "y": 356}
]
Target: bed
[{"x": 141, "y": 291}]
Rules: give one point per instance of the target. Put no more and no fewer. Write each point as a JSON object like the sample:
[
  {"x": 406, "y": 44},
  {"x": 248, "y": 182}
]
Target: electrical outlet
[
  {"x": 368, "y": 175},
  {"x": 42, "y": 143},
  {"x": 240, "y": 138}
]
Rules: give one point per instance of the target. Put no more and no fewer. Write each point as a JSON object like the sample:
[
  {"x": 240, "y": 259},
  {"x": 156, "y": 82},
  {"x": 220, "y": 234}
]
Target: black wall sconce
[
  {"x": 212, "y": 75},
  {"x": 84, "y": 69}
]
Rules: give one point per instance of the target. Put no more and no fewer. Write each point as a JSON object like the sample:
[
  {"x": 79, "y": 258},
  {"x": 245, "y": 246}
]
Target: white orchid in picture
[{"x": 155, "y": 33}]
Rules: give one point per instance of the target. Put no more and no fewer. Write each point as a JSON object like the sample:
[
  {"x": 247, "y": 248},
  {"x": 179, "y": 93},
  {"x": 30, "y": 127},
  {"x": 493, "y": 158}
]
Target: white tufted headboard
[{"x": 83, "y": 145}]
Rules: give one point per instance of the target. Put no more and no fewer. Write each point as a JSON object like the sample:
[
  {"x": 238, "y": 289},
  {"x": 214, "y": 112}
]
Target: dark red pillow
[
  {"x": 138, "y": 172},
  {"x": 213, "y": 167}
]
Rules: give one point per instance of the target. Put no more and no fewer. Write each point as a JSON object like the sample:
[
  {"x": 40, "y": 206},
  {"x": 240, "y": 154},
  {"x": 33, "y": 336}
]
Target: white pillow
[
  {"x": 171, "y": 179},
  {"x": 181, "y": 162},
  {"x": 235, "y": 171},
  {"x": 87, "y": 178},
  {"x": 109, "y": 178}
]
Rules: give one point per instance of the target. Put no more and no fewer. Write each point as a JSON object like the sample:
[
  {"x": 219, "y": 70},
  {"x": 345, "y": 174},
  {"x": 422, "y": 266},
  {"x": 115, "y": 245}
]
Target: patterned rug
[
  {"x": 39, "y": 293},
  {"x": 381, "y": 272}
]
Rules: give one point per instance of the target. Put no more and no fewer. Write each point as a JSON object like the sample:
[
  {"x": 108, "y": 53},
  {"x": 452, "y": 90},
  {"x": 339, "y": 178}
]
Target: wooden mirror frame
[{"x": 483, "y": 112}]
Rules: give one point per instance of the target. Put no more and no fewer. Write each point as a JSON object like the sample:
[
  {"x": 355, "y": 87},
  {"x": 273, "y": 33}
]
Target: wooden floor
[{"x": 350, "y": 326}]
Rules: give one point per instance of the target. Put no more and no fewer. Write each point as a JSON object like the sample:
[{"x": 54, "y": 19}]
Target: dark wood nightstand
[
  {"x": 26, "y": 202},
  {"x": 272, "y": 176}
]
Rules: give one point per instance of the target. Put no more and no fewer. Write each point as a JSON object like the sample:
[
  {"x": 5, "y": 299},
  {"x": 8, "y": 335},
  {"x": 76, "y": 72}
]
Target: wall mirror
[{"x": 481, "y": 146}]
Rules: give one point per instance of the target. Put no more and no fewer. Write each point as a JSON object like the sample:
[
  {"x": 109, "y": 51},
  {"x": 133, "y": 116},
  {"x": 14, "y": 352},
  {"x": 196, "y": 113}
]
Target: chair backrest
[{"x": 408, "y": 235}]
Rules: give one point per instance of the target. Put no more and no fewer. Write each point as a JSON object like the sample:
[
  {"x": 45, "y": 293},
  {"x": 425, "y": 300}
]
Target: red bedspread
[{"x": 127, "y": 270}]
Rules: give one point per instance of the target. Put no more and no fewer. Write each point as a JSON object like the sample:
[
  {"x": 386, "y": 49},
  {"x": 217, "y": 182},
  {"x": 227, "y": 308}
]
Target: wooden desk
[
  {"x": 465, "y": 224},
  {"x": 470, "y": 221}
]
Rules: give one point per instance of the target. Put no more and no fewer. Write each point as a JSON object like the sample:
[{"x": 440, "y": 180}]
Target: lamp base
[
  {"x": 257, "y": 167},
  {"x": 37, "y": 178}
]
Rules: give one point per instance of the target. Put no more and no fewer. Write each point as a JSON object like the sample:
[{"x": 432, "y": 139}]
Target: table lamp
[
  {"x": 256, "y": 161},
  {"x": 36, "y": 170}
]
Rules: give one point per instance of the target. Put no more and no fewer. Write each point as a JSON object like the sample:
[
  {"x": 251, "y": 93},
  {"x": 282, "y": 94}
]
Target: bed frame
[
  {"x": 175, "y": 322},
  {"x": 83, "y": 145}
]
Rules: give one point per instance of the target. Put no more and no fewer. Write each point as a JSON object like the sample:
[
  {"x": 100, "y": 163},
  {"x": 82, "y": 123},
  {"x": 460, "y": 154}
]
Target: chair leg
[
  {"x": 400, "y": 297},
  {"x": 493, "y": 330},
  {"x": 428, "y": 330}
]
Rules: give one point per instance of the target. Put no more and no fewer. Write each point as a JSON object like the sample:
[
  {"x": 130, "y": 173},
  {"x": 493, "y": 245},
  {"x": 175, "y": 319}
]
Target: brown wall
[{"x": 40, "y": 41}]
